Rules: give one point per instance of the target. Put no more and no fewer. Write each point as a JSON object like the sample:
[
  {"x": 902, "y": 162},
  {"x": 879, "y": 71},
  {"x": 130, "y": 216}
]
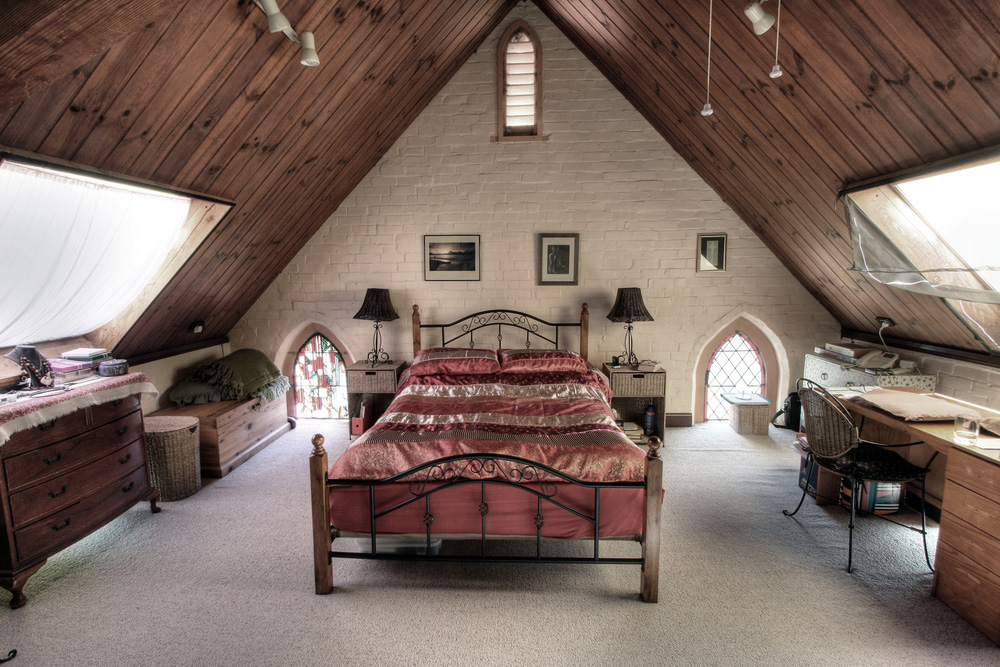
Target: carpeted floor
[{"x": 224, "y": 577}]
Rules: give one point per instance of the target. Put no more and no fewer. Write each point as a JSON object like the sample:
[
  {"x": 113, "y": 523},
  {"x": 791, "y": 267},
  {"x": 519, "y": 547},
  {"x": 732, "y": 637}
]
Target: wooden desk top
[{"x": 940, "y": 434}]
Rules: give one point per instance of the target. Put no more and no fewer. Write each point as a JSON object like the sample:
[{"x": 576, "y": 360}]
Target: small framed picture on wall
[
  {"x": 558, "y": 259},
  {"x": 711, "y": 252},
  {"x": 451, "y": 257}
]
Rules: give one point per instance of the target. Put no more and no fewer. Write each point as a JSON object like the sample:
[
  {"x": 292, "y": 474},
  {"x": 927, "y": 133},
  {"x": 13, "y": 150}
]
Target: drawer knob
[
  {"x": 117, "y": 402},
  {"x": 46, "y": 427},
  {"x": 125, "y": 459},
  {"x": 60, "y": 527},
  {"x": 122, "y": 431},
  {"x": 54, "y": 494},
  {"x": 128, "y": 487},
  {"x": 57, "y": 459}
]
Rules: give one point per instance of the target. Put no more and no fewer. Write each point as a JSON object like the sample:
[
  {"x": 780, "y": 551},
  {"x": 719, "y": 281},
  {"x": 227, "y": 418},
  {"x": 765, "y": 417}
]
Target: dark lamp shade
[
  {"x": 377, "y": 307},
  {"x": 629, "y": 307}
]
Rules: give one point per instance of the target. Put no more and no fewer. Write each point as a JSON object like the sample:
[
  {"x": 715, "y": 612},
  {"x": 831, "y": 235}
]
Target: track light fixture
[
  {"x": 277, "y": 22},
  {"x": 762, "y": 22},
  {"x": 707, "y": 110}
]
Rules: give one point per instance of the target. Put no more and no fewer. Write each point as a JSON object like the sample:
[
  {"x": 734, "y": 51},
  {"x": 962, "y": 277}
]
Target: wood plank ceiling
[{"x": 197, "y": 95}]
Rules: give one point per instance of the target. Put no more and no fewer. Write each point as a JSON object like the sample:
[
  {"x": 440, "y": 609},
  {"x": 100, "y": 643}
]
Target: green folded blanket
[{"x": 245, "y": 373}]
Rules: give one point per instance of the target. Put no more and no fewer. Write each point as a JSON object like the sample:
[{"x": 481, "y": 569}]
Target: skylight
[
  {"x": 76, "y": 249},
  {"x": 961, "y": 207}
]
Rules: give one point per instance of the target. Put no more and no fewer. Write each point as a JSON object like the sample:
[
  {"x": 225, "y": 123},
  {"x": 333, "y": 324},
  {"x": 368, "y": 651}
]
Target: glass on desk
[{"x": 967, "y": 429}]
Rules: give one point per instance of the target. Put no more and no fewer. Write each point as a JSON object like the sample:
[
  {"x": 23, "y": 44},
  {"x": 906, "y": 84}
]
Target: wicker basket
[{"x": 173, "y": 446}]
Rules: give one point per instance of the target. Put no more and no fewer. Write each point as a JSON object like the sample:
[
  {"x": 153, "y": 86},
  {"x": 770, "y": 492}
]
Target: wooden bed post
[
  {"x": 584, "y": 325},
  {"x": 322, "y": 564},
  {"x": 651, "y": 523},
  {"x": 416, "y": 329}
]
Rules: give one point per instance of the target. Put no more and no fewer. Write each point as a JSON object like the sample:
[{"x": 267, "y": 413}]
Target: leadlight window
[
  {"x": 735, "y": 368},
  {"x": 519, "y": 63},
  {"x": 320, "y": 380}
]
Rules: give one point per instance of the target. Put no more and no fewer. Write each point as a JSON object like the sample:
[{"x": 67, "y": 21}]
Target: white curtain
[{"x": 75, "y": 250}]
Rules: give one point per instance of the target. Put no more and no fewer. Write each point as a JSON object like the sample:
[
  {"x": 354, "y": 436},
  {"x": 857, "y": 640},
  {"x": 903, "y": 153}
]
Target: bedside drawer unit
[
  {"x": 363, "y": 379},
  {"x": 632, "y": 391},
  {"x": 379, "y": 382}
]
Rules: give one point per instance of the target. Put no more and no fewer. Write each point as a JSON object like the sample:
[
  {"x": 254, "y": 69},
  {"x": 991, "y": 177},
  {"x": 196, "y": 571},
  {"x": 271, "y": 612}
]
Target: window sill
[{"x": 518, "y": 137}]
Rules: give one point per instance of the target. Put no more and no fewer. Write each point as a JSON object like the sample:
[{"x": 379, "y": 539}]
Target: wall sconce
[
  {"x": 277, "y": 22},
  {"x": 378, "y": 308},
  {"x": 629, "y": 308}
]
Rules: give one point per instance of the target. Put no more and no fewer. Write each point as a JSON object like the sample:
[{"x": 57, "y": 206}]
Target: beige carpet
[{"x": 224, "y": 578}]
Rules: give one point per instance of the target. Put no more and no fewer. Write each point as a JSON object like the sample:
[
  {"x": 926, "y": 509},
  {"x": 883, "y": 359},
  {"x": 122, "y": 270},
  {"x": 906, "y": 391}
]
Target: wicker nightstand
[
  {"x": 379, "y": 382},
  {"x": 633, "y": 390}
]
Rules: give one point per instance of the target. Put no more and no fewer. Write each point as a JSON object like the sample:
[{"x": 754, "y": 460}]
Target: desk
[{"x": 967, "y": 566}]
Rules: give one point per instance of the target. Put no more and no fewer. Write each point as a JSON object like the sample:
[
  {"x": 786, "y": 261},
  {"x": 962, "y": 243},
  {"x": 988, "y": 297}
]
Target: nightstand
[
  {"x": 379, "y": 382},
  {"x": 632, "y": 391}
]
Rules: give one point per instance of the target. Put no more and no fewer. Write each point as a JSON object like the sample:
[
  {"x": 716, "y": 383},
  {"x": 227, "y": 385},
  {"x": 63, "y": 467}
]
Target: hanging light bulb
[
  {"x": 761, "y": 20},
  {"x": 308, "y": 57},
  {"x": 776, "y": 70},
  {"x": 707, "y": 110}
]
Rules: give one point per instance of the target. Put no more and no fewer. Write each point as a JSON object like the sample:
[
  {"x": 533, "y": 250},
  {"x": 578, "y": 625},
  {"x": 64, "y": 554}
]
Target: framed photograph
[
  {"x": 451, "y": 257},
  {"x": 558, "y": 259},
  {"x": 711, "y": 252}
]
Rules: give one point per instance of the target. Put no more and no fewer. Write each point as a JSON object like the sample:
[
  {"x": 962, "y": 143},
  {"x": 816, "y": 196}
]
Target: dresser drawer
[
  {"x": 372, "y": 381},
  {"x": 969, "y": 506},
  {"x": 973, "y": 473},
  {"x": 45, "y": 433},
  {"x": 69, "y": 524},
  {"x": 638, "y": 384},
  {"x": 47, "y": 497},
  {"x": 112, "y": 410},
  {"x": 54, "y": 460}
]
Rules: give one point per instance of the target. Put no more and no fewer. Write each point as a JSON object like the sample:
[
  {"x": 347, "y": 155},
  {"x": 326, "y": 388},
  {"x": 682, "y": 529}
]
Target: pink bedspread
[{"x": 561, "y": 420}]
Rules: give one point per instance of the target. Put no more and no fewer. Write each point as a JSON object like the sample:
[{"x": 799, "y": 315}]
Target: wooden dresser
[{"x": 64, "y": 479}]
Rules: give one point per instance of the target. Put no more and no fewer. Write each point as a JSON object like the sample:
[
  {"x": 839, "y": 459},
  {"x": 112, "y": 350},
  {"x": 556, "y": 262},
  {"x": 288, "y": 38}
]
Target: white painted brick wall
[{"x": 604, "y": 173}]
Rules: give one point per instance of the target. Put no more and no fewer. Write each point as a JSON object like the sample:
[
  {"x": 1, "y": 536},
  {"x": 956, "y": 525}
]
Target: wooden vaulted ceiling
[{"x": 199, "y": 96}]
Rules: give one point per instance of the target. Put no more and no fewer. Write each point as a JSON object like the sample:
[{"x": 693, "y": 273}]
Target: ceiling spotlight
[
  {"x": 309, "y": 57},
  {"x": 761, "y": 20},
  {"x": 277, "y": 22}
]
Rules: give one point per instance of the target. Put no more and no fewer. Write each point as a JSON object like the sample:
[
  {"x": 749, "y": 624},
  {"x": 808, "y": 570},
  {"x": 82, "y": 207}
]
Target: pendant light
[
  {"x": 707, "y": 109},
  {"x": 776, "y": 70}
]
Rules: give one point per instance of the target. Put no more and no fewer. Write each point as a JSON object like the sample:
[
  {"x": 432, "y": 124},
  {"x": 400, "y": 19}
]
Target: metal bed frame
[{"x": 433, "y": 477}]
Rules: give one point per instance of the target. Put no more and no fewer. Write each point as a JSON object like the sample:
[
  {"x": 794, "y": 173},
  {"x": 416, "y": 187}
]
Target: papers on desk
[{"x": 913, "y": 407}]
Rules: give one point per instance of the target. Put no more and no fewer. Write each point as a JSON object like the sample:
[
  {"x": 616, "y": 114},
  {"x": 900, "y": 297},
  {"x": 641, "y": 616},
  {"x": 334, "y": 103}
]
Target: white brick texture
[{"x": 603, "y": 173}]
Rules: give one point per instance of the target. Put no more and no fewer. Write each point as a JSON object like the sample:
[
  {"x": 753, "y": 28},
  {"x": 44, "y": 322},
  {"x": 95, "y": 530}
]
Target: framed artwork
[
  {"x": 711, "y": 252},
  {"x": 558, "y": 259},
  {"x": 451, "y": 257}
]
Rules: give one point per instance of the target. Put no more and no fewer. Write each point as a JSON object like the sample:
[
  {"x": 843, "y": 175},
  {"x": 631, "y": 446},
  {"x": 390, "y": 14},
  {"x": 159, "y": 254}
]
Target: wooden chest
[
  {"x": 233, "y": 431},
  {"x": 66, "y": 478}
]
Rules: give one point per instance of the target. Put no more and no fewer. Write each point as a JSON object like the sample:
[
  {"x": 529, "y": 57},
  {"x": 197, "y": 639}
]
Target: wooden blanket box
[{"x": 233, "y": 431}]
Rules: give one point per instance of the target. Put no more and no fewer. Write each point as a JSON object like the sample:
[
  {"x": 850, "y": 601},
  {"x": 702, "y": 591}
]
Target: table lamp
[
  {"x": 378, "y": 308},
  {"x": 629, "y": 308}
]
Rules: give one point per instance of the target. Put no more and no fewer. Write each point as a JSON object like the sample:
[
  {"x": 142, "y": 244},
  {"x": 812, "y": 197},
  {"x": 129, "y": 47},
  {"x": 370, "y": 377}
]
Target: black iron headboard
[{"x": 535, "y": 329}]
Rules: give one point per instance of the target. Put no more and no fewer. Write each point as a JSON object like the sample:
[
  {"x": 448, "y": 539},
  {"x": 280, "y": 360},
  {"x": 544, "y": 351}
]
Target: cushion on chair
[{"x": 874, "y": 464}]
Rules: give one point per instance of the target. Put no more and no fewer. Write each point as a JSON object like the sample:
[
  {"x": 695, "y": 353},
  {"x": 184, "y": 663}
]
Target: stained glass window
[{"x": 320, "y": 381}]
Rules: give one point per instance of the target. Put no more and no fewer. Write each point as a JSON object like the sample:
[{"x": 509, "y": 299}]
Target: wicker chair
[{"x": 834, "y": 444}]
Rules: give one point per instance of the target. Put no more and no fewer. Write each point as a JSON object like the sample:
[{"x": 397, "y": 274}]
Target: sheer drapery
[{"x": 74, "y": 250}]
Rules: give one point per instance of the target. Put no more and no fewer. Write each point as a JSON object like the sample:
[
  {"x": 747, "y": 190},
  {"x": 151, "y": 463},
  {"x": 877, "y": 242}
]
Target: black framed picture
[
  {"x": 558, "y": 259},
  {"x": 451, "y": 257},
  {"x": 711, "y": 252}
]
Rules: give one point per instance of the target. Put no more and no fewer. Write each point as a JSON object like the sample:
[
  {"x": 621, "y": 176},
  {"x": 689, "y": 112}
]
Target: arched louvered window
[
  {"x": 320, "y": 380},
  {"x": 736, "y": 367},
  {"x": 519, "y": 99}
]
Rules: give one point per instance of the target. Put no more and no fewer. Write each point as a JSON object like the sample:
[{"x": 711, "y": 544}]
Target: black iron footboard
[
  {"x": 440, "y": 475},
  {"x": 423, "y": 482}
]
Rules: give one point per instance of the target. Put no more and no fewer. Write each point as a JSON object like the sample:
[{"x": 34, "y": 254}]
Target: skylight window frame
[{"x": 917, "y": 239}]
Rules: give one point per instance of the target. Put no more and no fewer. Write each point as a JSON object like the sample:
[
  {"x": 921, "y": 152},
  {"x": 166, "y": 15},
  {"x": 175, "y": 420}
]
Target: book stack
[
  {"x": 94, "y": 355},
  {"x": 848, "y": 353},
  {"x": 634, "y": 432}
]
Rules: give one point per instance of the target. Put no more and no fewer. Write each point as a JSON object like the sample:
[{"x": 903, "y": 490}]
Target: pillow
[
  {"x": 187, "y": 392},
  {"x": 454, "y": 361},
  {"x": 541, "y": 361}
]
